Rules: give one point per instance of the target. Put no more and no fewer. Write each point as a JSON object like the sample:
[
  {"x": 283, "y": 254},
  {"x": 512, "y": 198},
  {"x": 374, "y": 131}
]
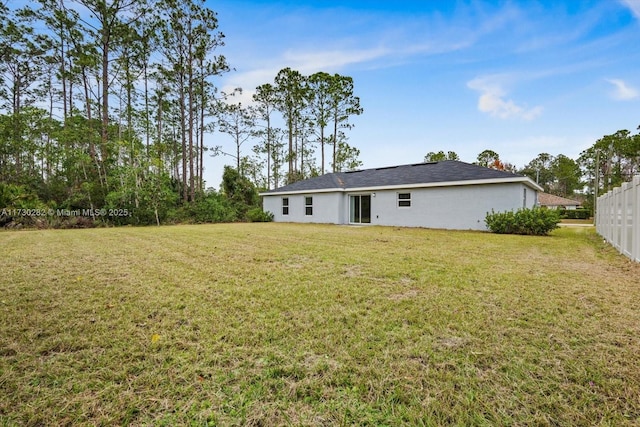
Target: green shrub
[
  {"x": 575, "y": 213},
  {"x": 258, "y": 215},
  {"x": 535, "y": 222},
  {"x": 211, "y": 208},
  {"x": 21, "y": 207}
]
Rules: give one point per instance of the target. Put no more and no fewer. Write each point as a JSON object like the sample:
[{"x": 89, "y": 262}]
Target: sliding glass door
[{"x": 360, "y": 209}]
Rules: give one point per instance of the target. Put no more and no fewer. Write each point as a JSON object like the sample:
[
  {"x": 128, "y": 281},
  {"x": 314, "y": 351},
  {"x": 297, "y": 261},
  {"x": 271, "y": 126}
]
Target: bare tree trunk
[
  {"x": 202, "y": 107},
  {"x": 268, "y": 153},
  {"x": 183, "y": 132},
  {"x": 92, "y": 148},
  {"x": 105, "y": 97},
  {"x": 191, "y": 120},
  {"x": 159, "y": 136},
  {"x": 63, "y": 74}
]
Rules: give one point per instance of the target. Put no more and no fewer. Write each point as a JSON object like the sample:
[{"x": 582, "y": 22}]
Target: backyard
[{"x": 283, "y": 324}]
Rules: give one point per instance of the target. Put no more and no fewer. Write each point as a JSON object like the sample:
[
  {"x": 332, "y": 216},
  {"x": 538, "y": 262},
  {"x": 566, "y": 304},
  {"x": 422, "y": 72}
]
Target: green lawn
[{"x": 280, "y": 324}]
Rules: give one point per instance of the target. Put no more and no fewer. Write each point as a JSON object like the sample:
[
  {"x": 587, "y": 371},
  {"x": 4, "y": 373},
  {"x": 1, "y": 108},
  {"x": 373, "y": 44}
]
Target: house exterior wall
[
  {"x": 461, "y": 207},
  {"x": 327, "y": 207},
  {"x": 457, "y": 208}
]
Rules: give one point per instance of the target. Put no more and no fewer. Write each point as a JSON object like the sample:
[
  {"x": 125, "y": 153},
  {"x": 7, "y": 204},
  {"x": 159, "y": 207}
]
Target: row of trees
[
  {"x": 315, "y": 112},
  {"x": 610, "y": 161},
  {"x": 106, "y": 101},
  {"x": 112, "y": 103}
]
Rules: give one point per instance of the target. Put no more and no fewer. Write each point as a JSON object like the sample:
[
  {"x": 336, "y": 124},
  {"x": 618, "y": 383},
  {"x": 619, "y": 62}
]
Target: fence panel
[{"x": 618, "y": 218}]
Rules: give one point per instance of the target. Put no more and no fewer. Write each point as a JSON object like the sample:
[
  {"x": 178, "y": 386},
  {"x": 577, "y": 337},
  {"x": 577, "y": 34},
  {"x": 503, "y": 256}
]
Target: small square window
[
  {"x": 285, "y": 206},
  {"x": 308, "y": 206},
  {"x": 404, "y": 200}
]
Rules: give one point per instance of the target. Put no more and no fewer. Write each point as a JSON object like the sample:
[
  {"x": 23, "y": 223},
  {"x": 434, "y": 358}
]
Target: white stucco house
[{"x": 448, "y": 195}]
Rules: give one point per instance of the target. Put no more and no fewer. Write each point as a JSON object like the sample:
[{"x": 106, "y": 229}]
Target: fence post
[
  {"x": 635, "y": 191},
  {"x": 618, "y": 218},
  {"x": 611, "y": 201},
  {"x": 626, "y": 242}
]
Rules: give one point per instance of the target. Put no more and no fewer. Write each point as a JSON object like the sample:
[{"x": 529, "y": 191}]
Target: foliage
[
  {"x": 238, "y": 122},
  {"x": 575, "y": 213},
  {"x": 535, "y": 222},
  {"x": 211, "y": 208},
  {"x": 498, "y": 164},
  {"x": 490, "y": 159},
  {"x": 540, "y": 171},
  {"x": 318, "y": 91},
  {"x": 150, "y": 201},
  {"x": 239, "y": 191},
  {"x": 611, "y": 161},
  {"x": 441, "y": 156},
  {"x": 290, "y": 91},
  {"x": 567, "y": 176},
  {"x": 559, "y": 175},
  {"x": 269, "y": 137},
  {"x": 66, "y": 57},
  {"x": 105, "y": 105},
  {"x": 347, "y": 158},
  {"x": 487, "y": 158},
  {"x": 316, "y": 110},
  {"x": 17, "y": 197},
  {"x": 20, "y": 207},
  {"x": 258, "y": 215}
]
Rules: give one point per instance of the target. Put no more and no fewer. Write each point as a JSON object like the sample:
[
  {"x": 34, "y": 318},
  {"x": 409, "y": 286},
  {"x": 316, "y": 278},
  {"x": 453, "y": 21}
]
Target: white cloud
[
  {"x": 311, "y": 62},
  {"x": 622, "y": 91},
  {"x": 492, "y": 100},
  {"x": 634, "y": 5},
  {"x": 307, "y": 63}
]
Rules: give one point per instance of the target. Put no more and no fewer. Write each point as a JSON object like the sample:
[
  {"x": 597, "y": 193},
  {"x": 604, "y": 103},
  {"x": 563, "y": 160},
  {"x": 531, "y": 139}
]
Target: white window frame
[
  {"x": 403, "y": 203},
  {"x": 285, "y": 206},
  {"x": 308, "y": 206}
]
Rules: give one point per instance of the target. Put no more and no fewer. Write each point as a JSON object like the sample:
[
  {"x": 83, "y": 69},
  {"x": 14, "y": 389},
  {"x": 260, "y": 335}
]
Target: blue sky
[{"x": 516, "y": 77}]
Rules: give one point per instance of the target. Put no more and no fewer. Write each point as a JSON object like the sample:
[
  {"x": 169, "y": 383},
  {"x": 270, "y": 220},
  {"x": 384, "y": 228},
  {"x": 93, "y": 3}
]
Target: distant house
[
  {"x": 556, "y": 202},
  {"x": 448, "y": 195}
]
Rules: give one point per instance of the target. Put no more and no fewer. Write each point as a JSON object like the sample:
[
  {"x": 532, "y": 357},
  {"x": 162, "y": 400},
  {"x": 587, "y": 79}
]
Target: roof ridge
[
  {"x": 452, "y": 171},
  {"x": 553, "y": 198}
]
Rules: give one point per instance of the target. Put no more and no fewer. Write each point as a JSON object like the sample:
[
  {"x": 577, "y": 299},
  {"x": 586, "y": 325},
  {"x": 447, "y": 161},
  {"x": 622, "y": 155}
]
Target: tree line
[
  {"x": 111, "y": 104},
  {"x": 315, "y": 112},
  {"x": 609, "y": 162}
]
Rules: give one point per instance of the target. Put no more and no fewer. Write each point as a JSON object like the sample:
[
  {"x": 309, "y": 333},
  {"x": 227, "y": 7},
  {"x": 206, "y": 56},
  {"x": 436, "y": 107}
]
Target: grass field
[{"x": 278, "y": 324}]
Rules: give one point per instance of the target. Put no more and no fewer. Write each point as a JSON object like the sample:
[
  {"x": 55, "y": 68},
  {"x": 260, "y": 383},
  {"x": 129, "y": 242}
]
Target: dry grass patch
[{"x": 272, "y": 324}]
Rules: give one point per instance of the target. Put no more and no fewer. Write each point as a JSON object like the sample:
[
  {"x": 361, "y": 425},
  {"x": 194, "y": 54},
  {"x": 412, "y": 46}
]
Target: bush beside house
[{"x": 533, "y": 222}]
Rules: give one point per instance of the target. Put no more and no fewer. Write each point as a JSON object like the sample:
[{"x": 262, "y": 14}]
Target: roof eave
[
  {"x": 522, "y": 179},
  {"x": 288, "y": 193}
]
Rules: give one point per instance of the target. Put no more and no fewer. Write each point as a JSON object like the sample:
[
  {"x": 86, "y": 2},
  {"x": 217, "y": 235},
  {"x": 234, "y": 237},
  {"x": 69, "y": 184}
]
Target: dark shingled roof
[{"x": 419, "y": 173}]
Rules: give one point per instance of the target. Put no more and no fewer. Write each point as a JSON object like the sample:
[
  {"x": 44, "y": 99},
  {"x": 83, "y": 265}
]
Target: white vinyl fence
[{"x": 618, "y": 218}]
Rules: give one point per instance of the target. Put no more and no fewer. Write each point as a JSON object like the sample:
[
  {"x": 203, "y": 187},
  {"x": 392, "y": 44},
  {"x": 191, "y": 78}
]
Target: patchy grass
[
  {"x": 280, "y": 324},
  {"x": 577, "y": 221}
]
